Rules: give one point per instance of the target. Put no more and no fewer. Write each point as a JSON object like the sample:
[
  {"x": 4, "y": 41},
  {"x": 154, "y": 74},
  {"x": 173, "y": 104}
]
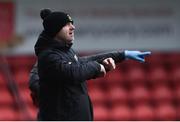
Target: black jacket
[{"x": 63, "y": 92}]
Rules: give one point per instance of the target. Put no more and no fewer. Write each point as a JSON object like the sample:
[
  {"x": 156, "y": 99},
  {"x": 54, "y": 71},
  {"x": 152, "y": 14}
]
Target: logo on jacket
[{"x": 75, "y": 57}]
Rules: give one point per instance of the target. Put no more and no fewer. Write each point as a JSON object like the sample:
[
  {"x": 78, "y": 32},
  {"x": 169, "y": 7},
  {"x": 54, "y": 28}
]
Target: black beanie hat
[{"x": 53, "y": 22}]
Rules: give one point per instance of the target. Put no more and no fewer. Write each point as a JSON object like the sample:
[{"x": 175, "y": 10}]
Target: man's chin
[{"x": 70, "y": 41}]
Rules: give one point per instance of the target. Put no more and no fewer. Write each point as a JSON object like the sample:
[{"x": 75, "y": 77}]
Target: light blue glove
[{"x": 136, "y": 55}]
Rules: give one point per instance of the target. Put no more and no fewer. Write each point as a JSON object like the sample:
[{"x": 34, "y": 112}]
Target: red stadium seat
[
  {"x": 98, "y": 82},
  {"x": 101, "y": 113},
  {"x": 91, "y": 84},
  {"x": 8, "y": 114},
  {"x": 143, "y": 113},
  {"x": 120, "y": 113},
  {"x": 162, "y": 94},
  {"x": 2, "y": 80},
  {"x": 173, "y": 59},
  {"x": 158, "y": 76},
  {"x": 139, "y": 95},
  {"x": 175, "y": 76},
  {"x": 154, "y": 60},
  {"x": 135, "y": 76},
  {"x": 17, "y": 62},
  {"x": 178, "y": 112},
  {"x": 177, "y": 94},
  {"x": 117, "y": 95},
  {"x": 129, "y": 64},
  {"x": 21, "y": 76},
  {"x": 114, "y": 77},
  {"x": 97, "y": 95},
  {"x": 31, "y": 60},
  {"x": 32, "y": 111},
  {"x": 165, "y": 112},
  {"x": 25, "y": 94},
  {"x": 6, "y": 98}
]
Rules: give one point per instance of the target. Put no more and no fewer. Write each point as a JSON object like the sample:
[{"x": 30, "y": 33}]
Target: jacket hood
[{"x": 45, "y": 42}]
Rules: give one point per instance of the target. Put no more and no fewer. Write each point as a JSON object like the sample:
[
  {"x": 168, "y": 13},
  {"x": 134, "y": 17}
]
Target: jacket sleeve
[
  {"x": 34, "y": 85},
  {"x": 54, "y": 65},
  {"x": 116, "y": 55},
  {"x": 34, "y": 79}
]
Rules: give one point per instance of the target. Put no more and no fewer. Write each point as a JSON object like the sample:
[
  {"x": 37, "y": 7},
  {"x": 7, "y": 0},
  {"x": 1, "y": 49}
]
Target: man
[{"x": 62, "y": 74}]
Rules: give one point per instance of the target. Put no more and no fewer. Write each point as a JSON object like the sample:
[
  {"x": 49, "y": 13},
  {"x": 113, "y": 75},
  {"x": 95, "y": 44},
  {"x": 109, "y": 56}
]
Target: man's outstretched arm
[{"x": 117, "y": 56}]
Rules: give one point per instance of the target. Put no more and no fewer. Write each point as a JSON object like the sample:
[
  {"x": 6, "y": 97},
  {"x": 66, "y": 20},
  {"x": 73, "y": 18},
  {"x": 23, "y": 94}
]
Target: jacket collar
[{"x": 45, "y": 42}]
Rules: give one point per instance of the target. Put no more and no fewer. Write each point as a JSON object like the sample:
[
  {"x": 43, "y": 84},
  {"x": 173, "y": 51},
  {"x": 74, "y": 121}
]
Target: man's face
[{"x": 66, "y": 33}]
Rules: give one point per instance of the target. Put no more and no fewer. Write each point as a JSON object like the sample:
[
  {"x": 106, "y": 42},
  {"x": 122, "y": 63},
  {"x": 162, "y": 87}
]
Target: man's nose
[{"x": 72, "y": 26}]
